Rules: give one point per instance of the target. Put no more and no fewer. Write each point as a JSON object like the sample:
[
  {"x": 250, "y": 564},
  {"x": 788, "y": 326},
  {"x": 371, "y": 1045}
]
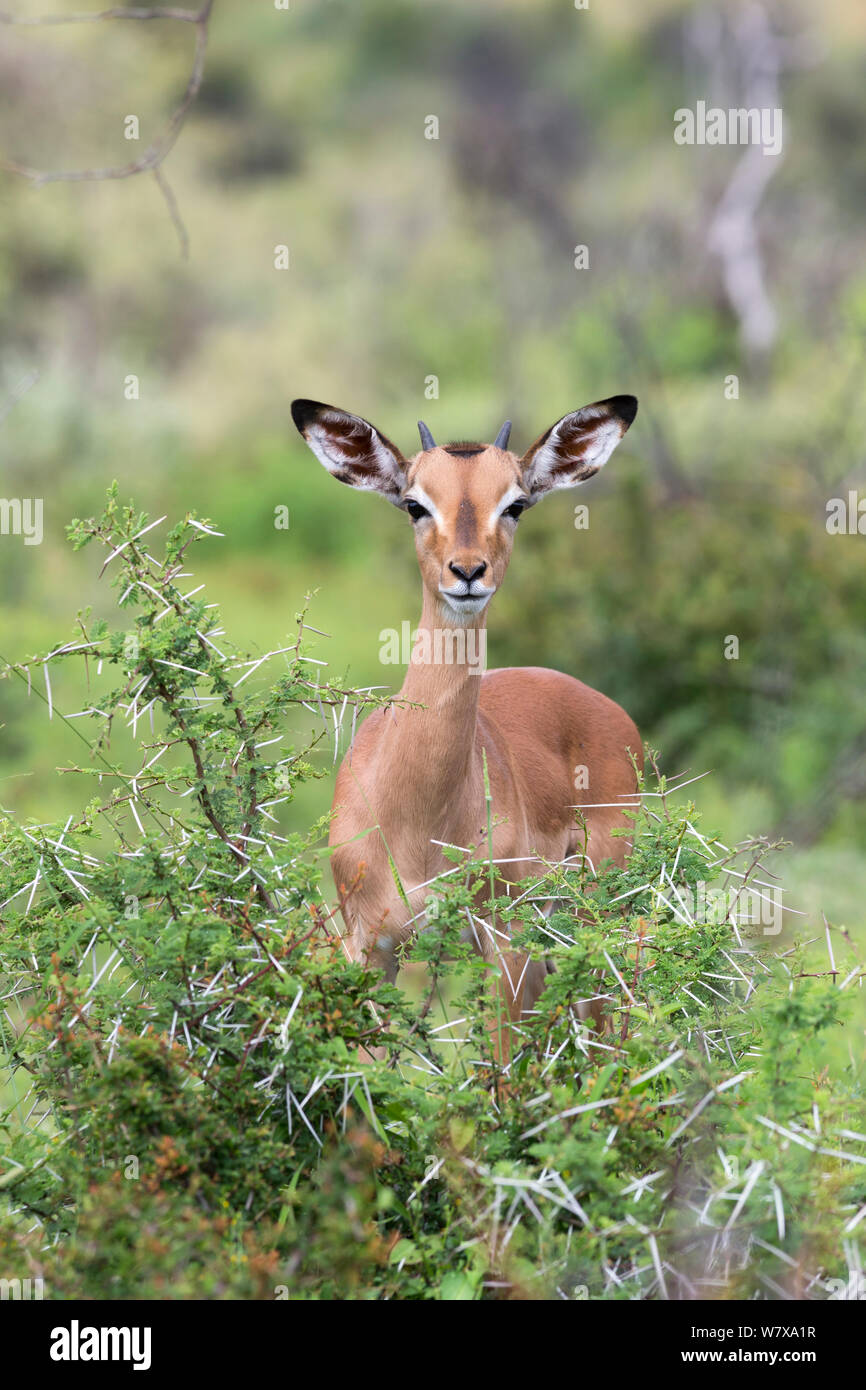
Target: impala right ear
[
  {"x": 352, "y": 449},
  {"x": 577, "y": 446}
]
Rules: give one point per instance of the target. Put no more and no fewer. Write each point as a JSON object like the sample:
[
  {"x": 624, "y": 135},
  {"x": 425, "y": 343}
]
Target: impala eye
[
  {"x": 416, "y": 511},
  {"x": 514, "y": 510}
]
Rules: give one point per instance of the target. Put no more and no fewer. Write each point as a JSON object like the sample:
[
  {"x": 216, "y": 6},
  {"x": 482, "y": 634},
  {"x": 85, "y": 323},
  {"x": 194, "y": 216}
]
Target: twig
[{"x": 152, "y": 158}]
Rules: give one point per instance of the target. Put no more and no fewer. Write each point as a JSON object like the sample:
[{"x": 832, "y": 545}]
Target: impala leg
[
  {"x": 592, "y": 1011},
  {"x": 378, "y": 956},
  {"x": 504, "y": 1012},
  {"x": 520, "y": 985},
  {"x": 516, "y": 989}
]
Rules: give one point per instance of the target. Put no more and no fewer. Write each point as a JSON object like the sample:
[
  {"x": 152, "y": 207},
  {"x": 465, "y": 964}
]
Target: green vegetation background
[{"x": 453, "y": 258}]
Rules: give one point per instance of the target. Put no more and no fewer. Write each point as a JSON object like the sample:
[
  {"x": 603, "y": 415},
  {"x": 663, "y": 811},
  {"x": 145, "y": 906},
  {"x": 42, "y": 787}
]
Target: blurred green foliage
[{"x": 453, "y": 258}]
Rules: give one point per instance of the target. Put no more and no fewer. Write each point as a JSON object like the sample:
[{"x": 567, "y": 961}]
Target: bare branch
[
  {"x": 152, "y": 158},
  {"x": 167, "y": 192},
  {"x": 92, "y": 17},
  {"x": 20, "y": 390}
]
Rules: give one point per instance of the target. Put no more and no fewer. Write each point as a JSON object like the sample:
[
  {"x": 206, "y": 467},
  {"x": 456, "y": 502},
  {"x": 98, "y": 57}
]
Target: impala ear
[
  {"x": 351, "y": 449},
  {"x": 577, "y": 446}
]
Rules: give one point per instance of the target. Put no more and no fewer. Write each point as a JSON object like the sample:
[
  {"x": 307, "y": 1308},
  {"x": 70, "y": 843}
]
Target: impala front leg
[
  {"x": 378, "y": 954},
  {"x": 516, "y": 988}
]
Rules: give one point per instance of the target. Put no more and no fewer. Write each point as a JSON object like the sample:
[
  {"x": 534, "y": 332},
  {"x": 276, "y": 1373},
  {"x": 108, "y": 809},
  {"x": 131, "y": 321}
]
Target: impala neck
[{"x": 429, "y": 751}]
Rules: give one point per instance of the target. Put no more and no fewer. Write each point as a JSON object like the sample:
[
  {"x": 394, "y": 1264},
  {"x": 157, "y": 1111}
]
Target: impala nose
[{"x": 468, "y": 570}]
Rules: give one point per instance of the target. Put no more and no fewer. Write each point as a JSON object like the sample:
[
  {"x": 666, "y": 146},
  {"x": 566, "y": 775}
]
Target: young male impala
[{"x": 414, "y": 777}]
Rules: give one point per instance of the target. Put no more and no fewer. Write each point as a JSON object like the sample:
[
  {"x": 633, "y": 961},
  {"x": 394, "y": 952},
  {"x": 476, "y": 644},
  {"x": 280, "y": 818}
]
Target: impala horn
[
  {"x": 503, "y": 436},
  {"x": 427, "y": 440}
]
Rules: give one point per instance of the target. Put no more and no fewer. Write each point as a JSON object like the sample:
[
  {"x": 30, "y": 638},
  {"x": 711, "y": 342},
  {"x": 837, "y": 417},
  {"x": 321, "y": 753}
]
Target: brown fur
[{"x": 414, "y": 777}]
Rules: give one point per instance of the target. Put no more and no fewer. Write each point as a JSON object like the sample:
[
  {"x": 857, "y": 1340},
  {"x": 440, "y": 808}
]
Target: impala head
[{"x": 464, "y": 500}]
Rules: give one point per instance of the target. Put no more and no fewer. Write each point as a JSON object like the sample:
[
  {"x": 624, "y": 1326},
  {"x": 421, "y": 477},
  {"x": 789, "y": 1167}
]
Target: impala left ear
[
  {"x": 352, "y": 450},
  {"x": 577, "y": 446}
]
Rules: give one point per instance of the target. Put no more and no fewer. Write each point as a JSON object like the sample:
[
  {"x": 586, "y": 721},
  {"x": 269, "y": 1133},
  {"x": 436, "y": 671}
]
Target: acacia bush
[{"x": 184, "y": 1114}]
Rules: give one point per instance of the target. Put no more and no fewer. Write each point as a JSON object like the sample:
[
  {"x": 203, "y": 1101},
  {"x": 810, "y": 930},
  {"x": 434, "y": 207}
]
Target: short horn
[
  {"x": 503, "y": 436},
  {"x": 427, "y": 440}
]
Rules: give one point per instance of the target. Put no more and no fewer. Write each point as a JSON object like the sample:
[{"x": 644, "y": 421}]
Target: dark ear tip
[
  {"x": 303, "y": 412},
  {"x": 624, "y": 407}
]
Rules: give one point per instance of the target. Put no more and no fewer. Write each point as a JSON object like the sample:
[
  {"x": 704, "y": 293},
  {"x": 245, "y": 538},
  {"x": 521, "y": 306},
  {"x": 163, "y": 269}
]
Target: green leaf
[{"x": 457, "y": 1287}]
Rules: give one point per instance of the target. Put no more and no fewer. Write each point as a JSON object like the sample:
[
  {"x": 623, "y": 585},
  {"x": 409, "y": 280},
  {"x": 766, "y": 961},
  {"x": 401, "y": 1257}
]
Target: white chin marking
[{"x": 465, "y": 609}]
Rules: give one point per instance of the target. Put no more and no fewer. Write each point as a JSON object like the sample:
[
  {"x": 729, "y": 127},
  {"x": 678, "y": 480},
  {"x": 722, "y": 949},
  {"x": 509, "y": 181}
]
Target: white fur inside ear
[
  {"x": 601, "y": 440},
  {"x": 328, "y": 445},
  {"x": 353, "y": 451},
  {"x": 577, "y": 447}
]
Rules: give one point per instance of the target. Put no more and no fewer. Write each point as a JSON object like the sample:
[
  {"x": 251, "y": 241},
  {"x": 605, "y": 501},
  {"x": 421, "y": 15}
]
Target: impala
[{"x": 413, "y": 779}]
